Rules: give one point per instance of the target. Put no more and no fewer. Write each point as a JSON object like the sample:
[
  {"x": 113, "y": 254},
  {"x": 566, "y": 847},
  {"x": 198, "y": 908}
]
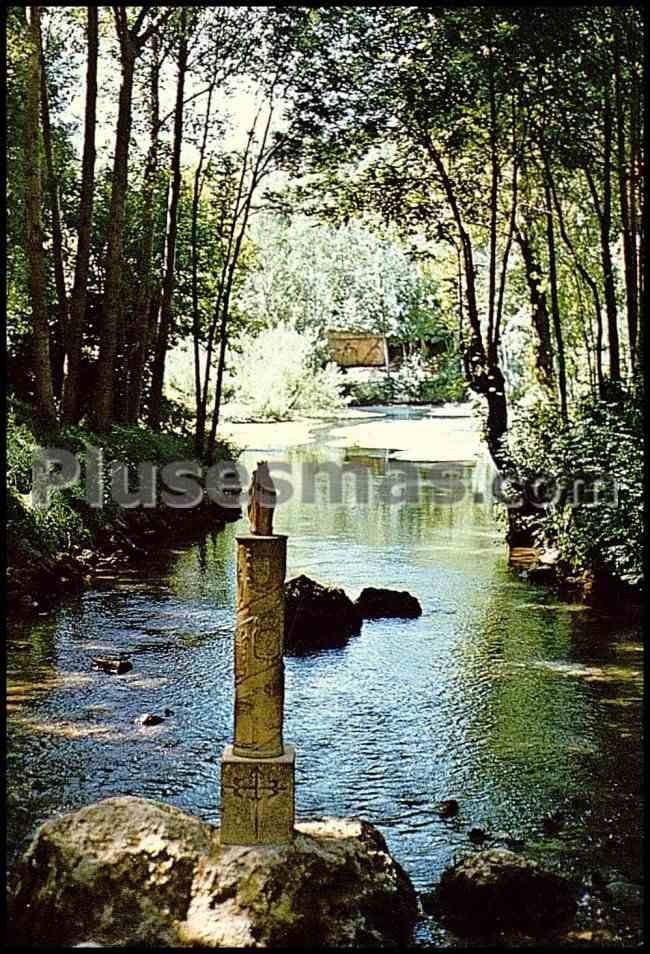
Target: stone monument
[{"x": 257, "y": 771}]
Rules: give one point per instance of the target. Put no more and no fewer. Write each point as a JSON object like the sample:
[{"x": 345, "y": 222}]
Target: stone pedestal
[{"x": 257, "y": 799}]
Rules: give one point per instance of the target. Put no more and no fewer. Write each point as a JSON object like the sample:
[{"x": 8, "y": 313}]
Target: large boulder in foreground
[
  {"x": 317, "y": 616},
  {"x": 380, "y": 604},
  {"x": 497, "y": 890},
  {"x": 134, "y": 871}
]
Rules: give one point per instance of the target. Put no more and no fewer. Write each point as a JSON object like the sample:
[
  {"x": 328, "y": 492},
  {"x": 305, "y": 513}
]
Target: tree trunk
[
  {"x": 555, "y": 304},
  {"x": 233, "y": 257},
  {"x": 605, "y": 220},
  {"x": 196, "y": 195},
  {"x": 588, "y": 279},
  {"x": 484, "y": 376},
  {"x": 623, "y": 167},
  {"x": 44, "y": 409},
  {"x": 104, "y": 385},
  {"x": 158, "y": 374},
  {"x": 494, "y": 193},
  {"x": 637, "y": 247},
  {"x": 541, "y": 321},
  {"x": 139, "y": 339},
  {"x": 53, "y": 195},
  {"x": 80, "y": 287}
]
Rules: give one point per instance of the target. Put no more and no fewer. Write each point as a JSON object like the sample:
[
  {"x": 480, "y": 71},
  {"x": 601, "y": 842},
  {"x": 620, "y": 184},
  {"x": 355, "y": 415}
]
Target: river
[{"x": 499, "y": 695}]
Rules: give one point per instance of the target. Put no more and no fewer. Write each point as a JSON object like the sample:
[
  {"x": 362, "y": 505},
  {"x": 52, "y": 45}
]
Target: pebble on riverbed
[
  {"x": 149, "y": 719},
  {"x": 113, "y": 666},
  {"x": 476, "y": 835},
  {"x": 448, "y": 807}
]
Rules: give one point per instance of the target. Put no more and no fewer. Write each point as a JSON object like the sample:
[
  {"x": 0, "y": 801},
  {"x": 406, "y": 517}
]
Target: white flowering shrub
[{"x": 280, "y": 373}]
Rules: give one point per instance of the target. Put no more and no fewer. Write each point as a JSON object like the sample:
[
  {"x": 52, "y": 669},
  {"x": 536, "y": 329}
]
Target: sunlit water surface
[{"x": 499, "y": 695}]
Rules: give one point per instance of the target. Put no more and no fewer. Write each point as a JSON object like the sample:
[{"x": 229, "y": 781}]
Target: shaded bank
[{"x": 63, "y": 546}]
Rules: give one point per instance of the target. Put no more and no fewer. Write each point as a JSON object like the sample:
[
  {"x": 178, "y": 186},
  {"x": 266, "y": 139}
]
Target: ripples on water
[{"x": 498, "y": 695}]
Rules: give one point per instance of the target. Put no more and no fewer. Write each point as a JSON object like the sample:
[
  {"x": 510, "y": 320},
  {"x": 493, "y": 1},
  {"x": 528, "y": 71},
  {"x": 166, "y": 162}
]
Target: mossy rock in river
[
  {"x": 496, "y": 890},
  {"x": 387, "y": 604},
  {"x": 317, "y": 616}
]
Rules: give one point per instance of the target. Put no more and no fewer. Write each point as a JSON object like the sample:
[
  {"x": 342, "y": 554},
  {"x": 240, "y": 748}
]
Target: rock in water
[
  {"x": 149, "y": 719},
  {"x": 448, "y": 807},
  {"x": 476, "y": 835},
  {"x": 497, "y": 890},
  {"x": 379, "y": 603},
  {"x": 112, "y": 665},
  {"x": 317, "y": 616},
  {"x": 133, "y": 871}
]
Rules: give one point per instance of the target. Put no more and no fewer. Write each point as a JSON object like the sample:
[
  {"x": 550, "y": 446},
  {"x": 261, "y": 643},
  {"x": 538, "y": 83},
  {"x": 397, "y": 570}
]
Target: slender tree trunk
[
  {"x": 158, "y": 374},
  {"x": 555, "y": 304},
  {"x": 512, "y": 225},
  {"x": 540, "y": 316},
  {"x": 483, "y": 376},
  {"x": 587, "y": 334},
  {"x": 53, "y": 196},
  {"x": 256, "y": 175},
  {"x": 637, "y": 248},
  {"x": 139, "y": 339},
  {"x": 587, "y": 278},
  {"x": 604, "y": 214},
  {"x": 80, "y": 286},
  {"x": 44, "y": 409},
  {"x": 494, "y": 193},
  {"x": 629, "y": 250},
  {"x": 222, "y": 285},
  {"x": 199, "y": 436},
  {"x": 120, "y": 374},
  {"x": 104, "y": 385}
]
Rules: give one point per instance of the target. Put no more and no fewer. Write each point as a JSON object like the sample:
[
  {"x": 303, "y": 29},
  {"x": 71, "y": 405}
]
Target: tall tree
[
  {"x": 162, "y": 343},
  {"x": 603, "y": 208},
  {"x": 45, "y": 411},
  {"x": 555, "y": 302},
  {"x": 139, "y": 344},
  {"x": 131, "y": 42},
  {"x": 53, "y": 196},
  {"x": 70, "y": 408}
]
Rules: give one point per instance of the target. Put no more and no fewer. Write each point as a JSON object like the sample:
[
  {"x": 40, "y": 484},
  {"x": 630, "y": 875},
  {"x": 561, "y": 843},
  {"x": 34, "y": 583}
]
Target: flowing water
[{"x": 500, "y": 696}]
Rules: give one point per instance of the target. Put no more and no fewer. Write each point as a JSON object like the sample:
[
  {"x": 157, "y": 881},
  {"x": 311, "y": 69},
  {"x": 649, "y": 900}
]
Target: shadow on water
[{"x": 498, "y": 695}]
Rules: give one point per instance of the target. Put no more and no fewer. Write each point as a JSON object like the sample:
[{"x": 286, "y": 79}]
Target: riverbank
[
  {"x": 37, "y": 577},
  {"x": 70, "y": 543}
]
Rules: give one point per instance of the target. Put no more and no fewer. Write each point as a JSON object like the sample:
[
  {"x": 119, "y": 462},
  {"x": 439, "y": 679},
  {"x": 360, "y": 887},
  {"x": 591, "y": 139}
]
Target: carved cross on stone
[{"x": 262, "y": 501}]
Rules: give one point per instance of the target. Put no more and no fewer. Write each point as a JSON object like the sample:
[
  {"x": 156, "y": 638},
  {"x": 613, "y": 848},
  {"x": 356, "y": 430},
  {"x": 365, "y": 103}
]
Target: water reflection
[{"x": 499, "y": 695}]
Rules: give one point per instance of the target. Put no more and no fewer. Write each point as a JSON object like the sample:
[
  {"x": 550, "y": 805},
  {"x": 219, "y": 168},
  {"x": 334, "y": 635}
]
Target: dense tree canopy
[{"x": 198, "y": 176}]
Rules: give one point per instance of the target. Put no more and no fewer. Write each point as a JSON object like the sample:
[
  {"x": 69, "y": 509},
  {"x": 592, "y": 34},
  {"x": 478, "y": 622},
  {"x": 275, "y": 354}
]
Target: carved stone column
[
  {"x": 259, "y": 644},
  {"x": 257, "y": 771}
]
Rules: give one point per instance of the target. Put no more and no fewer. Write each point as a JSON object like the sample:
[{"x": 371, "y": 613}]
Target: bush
[
  {"x": 603, "y": 441},
  {"x": 415, "y": 381},
  {"x": 280, "y": 373}
]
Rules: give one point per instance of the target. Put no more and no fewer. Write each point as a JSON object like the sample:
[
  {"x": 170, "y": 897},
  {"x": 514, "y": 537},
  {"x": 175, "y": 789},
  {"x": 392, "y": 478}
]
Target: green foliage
[
  {"x": 318, "y": 278},
  {"x": 51, "y": 529},
  {"x": 280, "y": 373},
  {"x": 416, "y": 381},
  {"x": 602, "y": 442},
  {"x": 68, "y": 518}
]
